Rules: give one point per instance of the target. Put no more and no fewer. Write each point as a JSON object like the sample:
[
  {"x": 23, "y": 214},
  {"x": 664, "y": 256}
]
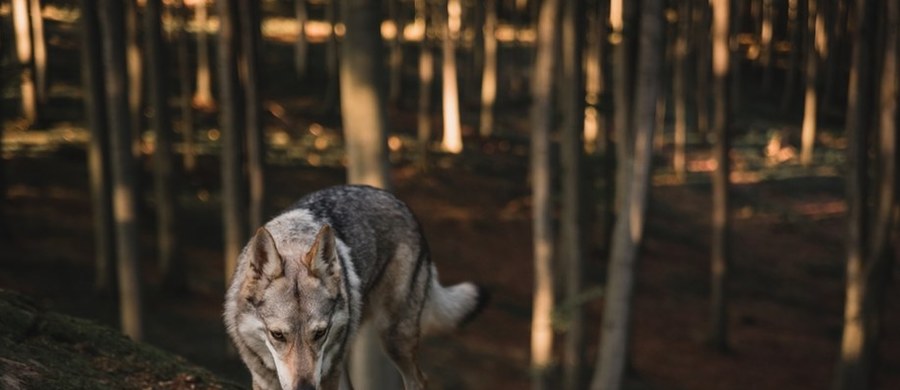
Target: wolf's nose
[{"x": 304, "y": 385}]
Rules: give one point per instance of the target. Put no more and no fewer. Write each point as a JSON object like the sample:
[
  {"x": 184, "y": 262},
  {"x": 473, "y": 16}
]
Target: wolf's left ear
[{"x": 322, "y": 254}]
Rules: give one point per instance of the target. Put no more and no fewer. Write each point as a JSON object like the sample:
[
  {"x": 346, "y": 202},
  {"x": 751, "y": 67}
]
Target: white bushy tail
[{"x": 450, "y": 307}]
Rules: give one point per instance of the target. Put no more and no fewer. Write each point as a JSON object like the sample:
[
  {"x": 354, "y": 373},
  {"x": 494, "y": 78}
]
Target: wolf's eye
[
  {"x": 319, "y": 333},
  {"x": 277, "y": 335}
]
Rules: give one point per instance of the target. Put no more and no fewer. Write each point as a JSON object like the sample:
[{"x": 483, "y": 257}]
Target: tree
[
  {"x": 40, "y": 51},
  {"x": 628, "y": 231},
  {"x": 452, "y": 139},
  {"x": 124, "y": 169},
  {"x": 810, "y": 105},
  {"x": 426, "y": 76},
  {"x": 796, "y": 35},
  {"x": 171, "y": 270},
  {"x": 98, "y": 146},
  {"x": 184, "y": 74},
  {"x": 489, "y": 74},
  {"x": 301, "y": 46},
  {"x": 679, "y": 92},
  {"x": 249, "y": 63},
  {"x": 203, "y": 97},
  {"x": 135, "y": 75},
  {"x": 621, "y": 87},
  {"x": 542, "y": 229},
  {"x": 25, "y": 54},
  {"x": 765, "y": 42},
  {"x": 395, "y": 56},
  {"x": 702, "y": 48},
  {"x": 364, "y": 119},
  {"x": 868, "y": 257}
]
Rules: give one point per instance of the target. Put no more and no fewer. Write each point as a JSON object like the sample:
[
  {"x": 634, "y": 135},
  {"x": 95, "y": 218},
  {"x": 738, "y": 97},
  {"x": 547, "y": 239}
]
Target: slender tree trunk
[
  {"x": 331, "y": 58},
  {"x": 25, "y": 54},
  {"x": 301, "y": 46},
  {"x": 766, "y": 34},
  {"x": 135, "y": 75},
  {"x": 184, "y": 74},
  {"x": 621, "y": 95},
  {"x": 395, "y": 56},
  {"x": 452, "y": 138},
  {"x": 615, "y": 331},
  {"x": 231, "y": 124},
  {"x": 40, "y": 51},
  {"x": 836, "y": 42},
  {"x": 810, "y": 105},
  {"x": 737, "y": 19},
  {"x": 571, "y": 226},
  {"x": 489, "y": 74},
  {"x": 426, "y": 76},
  {"x": 702, "y": 45},
  {"x": 172, "y": 272},
  {"x": 679, "y": 92},
  {"x": 595, "y": 136},
  {"x": 542, "y": 125},
  {"x": 98, "y": 148},
  {"x": 124, "y": 170},
  {"x": 790, "y": 73},
  {"x": 365, "y": 130},
  {"x": 203, "y": 97},
  {"x": 249, "y": 63}
]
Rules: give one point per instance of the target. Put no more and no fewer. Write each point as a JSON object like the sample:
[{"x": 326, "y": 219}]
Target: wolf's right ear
[{"x": 265, "y": 260}]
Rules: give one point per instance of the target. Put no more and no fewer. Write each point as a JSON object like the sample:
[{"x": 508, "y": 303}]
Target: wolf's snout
[{"x": 306, "y": 385}]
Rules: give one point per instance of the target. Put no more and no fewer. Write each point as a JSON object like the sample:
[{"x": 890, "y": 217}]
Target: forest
[{"x": 659, "y": 194}]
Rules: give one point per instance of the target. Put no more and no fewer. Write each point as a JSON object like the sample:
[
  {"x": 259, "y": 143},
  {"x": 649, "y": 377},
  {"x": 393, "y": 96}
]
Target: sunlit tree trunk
[
  {"x": 124, "y": 169},
  {"x": 621, "y": 94},
  {"x": 452, "y": 138},
  {"x": 721, "y": 224},
  {"x": 167, "y": 242},
  {"x": 365, "y": 130},
  {"x": 249, "y": 70},
  {"x": 203, "y": 97},
  {"x": 702, "y": 47},
  {"x": 765, "y": 42},
  {"x": 395, "y": 56},
  {"x": 737, "y": 18},
  {"x": 135, "y": 75},
  {"x": 25, "y": 54},
  {"x": 231, "y": 125},
  {"x": 595, "y": 137},
  {"x": 426, "y": 76},
  {"x": 609, "y": 373},
  {"x": 542, "y": 125},
  {"x": 301, "y": 46},
  {"x": 810, "y": 105},
  {"x": 679, "y": 92},
  {"x": 796, "y": 34},
  {"x": 489, "y": 74},
  {"x": 183, "y": 54},
  {"x": 571, "y": 226},
  {"x": 98, "y": 148},
  {"x": 40, "y": 51}
]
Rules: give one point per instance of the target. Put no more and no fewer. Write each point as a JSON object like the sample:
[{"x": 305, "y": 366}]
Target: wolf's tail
[{"x": 451, "y": 307}]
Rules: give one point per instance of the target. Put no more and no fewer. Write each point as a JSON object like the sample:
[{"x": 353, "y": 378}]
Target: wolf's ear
[
  {"x": 265, "y": 260},
  {"x": 321, "y": 256}
]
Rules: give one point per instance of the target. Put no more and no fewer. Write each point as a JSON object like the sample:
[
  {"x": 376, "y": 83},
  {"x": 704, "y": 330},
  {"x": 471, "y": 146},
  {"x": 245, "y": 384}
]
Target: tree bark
[
  {"x": 135, "y": 76},
  {"x": 301, "y": 46},
  {"x": 595, "y": 137},
  {"x": 621, "y": 95},
  {"x": 184, "y": 74},
  {"x": 124, "y": 170},
  {"x": 810, "y": 105},
  {"x": 249, "y": 63},
  {"x": 452, "y": 137},
  {"x": 40, "y": 51},
  {"x": 426, "y": 76},
  {"x": 702, "y": 47},
  {"x": 489, "y": 74},
  {"x": 542, "y": 125},
  {"x": 332, "y": 72},
  {"x": 395, "y": 56},
  {"x": 203, "y": 97},
  {"x": 628, "y": 232},
  {"x": 790, "y": 73},
  {"x": 766, "y": 34},
  {"x": 25, "y": 55},
  {"x": 679, "y": 92}
]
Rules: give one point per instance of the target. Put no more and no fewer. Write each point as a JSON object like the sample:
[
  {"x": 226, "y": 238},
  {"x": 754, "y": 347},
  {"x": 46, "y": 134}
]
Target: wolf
[{"x": 308, "y": 279}]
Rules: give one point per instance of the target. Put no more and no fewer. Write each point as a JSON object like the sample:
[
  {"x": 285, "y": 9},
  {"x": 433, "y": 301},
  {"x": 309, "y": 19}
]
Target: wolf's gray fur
[{"x": 310, "y": 276}]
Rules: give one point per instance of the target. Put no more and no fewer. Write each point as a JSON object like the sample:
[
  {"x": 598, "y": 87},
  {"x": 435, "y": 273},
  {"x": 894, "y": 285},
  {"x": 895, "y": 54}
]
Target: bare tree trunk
[
  {"x": 595, "y": 137},
  {"x": 40, "y": 51},
  {"x": 542, "y": 124},
  {"x": 765, "y": 42},
  {"x": 249, "y": 63},
  {"x": 609, "y": 372},
  {"x": 301, "y": 46},
  {"x": 836, "y": 42},
  {"x": 25, "y": 54},
  {"x": 702, "y": 46},
  {"x": 571, "y": 226},
  {"x": 734, "y": 47},
  {"x": 203, "y": 97},
  {"x": 489, "y": 75},
  {"x": 184, "y": 74},
  {"x": 790, "y": 72},
  {"x": 172, "y": 271},
  {"x": 98, "y": 147},
  {"x": 679, "y": 92},
  {"x": 135, "y": 76},
  {"x": 331, "y": 58},
  {"x": 426, "y": 76},
  {"x": 395, "y": 56},
  {"x": 808, "y": 135},
  {"x": 452, "y": 138},
  {"x": 621, "y": 95},
  {"x": 124, "y": 170},
  {"x": 231, "y": 124}
]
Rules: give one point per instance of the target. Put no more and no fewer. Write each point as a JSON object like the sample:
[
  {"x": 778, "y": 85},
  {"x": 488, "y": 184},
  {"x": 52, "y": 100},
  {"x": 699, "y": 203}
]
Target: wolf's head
[{"x": 302, "y": 305}]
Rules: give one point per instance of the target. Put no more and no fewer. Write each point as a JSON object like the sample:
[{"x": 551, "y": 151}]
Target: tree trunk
[
  {"x": 679, "y": 92},
  {"x": 837, "y": 42},
  {"x": 172, "y": 271},
  {"x": 25, "y": 54},
  {"x": 571, "y": 226},
  {"x": 395, "y": 56},
  {"x": 542, "y": 125},
  {"x": 702, "y": 47},
  {"x": 734, "y": 47},
  {"x": 249, "y": 63},
  {"x": 621, "y": 95},
  {"x": 790, "y": 73},
  {"x": 184, "y": 75},
  {"x": 98, "y": 147},
  {"x": 331, "y": 58},
  {"x": 594, "y": 128},
  {"x": 765, "y": 43},
  {"x": 615, "y": 330},
  {"x": 203, "y": 97},
  {"x": 365, "y": 130},
  {"x": 135, "y": 76},
  {"x": 301, "y": 46},
  {"x": 231, "y": 125},
  {"x": 426, "y": 76},
  {"x": 40, "y": 51},
  {"x": 452, "y": 138},
  {"x": 489, "y": 74},
  {"x": 721, "y": 224},
  {"x": 808, "y": 135},
  {"x": 123, "y": 170}
]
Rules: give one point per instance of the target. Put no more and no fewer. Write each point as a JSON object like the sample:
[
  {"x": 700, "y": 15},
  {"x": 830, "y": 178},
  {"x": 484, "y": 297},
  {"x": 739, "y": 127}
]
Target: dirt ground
[{"x": 787, "y": 289}]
